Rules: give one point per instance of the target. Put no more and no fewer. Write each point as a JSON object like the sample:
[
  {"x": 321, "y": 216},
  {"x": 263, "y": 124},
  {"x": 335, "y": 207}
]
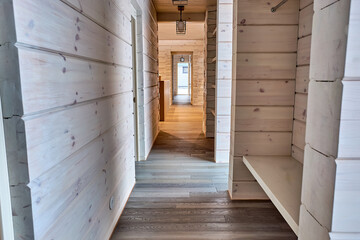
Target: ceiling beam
[{"x": 172, "y": 17}]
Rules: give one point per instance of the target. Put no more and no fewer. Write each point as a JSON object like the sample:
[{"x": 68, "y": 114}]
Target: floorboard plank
[{"x": 181, "y": 193}]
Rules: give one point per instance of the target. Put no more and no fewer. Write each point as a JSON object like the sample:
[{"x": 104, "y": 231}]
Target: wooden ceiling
[
  {"x": 194, "y": 6},
  {"x": 194, "y": 31}
]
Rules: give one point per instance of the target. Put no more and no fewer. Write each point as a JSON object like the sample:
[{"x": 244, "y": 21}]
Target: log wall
[
  {"x": 324, "y": 113},
  {"x": 69, "y": 113}
]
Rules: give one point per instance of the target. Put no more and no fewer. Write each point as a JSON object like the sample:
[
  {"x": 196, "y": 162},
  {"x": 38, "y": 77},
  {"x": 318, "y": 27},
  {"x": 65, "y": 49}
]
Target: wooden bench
[{"x": 281, "y": 179}]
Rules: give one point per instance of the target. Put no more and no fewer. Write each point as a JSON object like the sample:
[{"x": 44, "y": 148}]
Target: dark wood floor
[{"x": 182, "y": 194}]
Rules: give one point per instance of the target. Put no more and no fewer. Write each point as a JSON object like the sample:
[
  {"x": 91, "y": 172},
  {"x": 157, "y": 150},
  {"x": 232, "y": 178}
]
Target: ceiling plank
[
  {"x": 193, "y": 6},
  {"x": 190, "y": 17}
]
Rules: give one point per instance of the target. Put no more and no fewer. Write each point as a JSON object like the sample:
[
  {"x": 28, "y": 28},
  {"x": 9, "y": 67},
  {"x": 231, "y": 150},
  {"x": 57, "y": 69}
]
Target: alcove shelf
[{"x": 281, "y": 179}]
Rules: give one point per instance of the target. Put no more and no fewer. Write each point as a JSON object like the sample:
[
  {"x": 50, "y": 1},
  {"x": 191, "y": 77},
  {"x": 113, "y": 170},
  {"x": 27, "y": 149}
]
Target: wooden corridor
[{"x": 181, "y": 193}]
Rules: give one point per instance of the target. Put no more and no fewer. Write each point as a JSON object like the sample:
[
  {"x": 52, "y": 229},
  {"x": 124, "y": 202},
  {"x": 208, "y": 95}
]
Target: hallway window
[{"x": 183, "y": 78}]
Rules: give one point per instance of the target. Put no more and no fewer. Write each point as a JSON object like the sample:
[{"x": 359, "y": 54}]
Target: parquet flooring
[{"x": 182, "y": 194}]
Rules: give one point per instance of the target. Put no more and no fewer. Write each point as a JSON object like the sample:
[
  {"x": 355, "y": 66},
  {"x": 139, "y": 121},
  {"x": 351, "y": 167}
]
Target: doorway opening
[
  {"x": 138, "y": 80},
  {"x": 182, "y": 78}
]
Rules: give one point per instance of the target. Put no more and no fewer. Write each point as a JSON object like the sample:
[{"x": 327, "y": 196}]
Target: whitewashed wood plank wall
[
  {"x": 331, "y": 162},
  {"x": 71, "y": 138},
  {"x": 302, "y": 78},
  {"x": 263, "y": 87},
  {"x": 223, "y": 80}
]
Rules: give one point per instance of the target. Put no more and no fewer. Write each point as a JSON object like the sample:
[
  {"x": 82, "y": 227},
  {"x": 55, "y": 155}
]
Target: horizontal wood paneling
[
  {"x": 68, "y": 131},
  {"x": 297, "y": 153},
  {"x": 72, "y": 80},
  {"x": 330, "y": 34},
  {"x": 300, "y": 111},
  {"x": 267, "y": 39},
  {"x": 258, "y": 12},
  {"x": 265, "y": 66},
  {"x": 304, "y": 3},
  {"x": 75, "y": 67},
  {"x": 263, "y": 88},
  {"x": 309, "y": 227},
  {"x": 263, "y": 118},
  {"x": 111, "y": 145},
  {"x": 299, "y": 134},
  {"x": 302, "y": 79},
  {"x": 265, "y": 92},
  {"x": 241, "y": 172},
  {"x": 262, "y": 143},
  {"x": 319, "y": 179},
  {"x": 57, "y": 27},
  {"x": 305, "y": 21},
  {"x": 302, "y": 76},
  {"x": 303, "y": 55},
  {"x": 323, "y": 119},
  {"x": 98, "y": 192},
  {"x": 113, "y": 15}
]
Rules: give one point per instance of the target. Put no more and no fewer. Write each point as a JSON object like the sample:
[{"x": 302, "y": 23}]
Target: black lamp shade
[{"x": 180, "y": 27}]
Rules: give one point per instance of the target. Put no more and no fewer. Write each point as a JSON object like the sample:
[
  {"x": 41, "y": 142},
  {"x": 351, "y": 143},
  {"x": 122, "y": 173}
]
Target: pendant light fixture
[{"x": 181, "y": 25}]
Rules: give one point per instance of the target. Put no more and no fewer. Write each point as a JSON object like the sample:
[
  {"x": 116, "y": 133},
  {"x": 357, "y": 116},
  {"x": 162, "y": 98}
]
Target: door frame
[
  {"x": 6, "y": 220},
  {"x": 135, "y": 87},
  {"x": 138, "y": 80},
  {"x": 191, "y": 57}
]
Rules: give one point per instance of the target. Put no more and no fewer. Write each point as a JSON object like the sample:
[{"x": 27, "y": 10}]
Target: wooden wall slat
[
  {"x": 328, "y": 65},
  {"x": 302, "y": 79},
  {"x": 302, "y": 75},
  {"x": 53, "y": 25},
  {"x": 71, "y": 81},
  {"x": 263, "y": 143},
  {"x": 325, "y": 99},
  {"x": 264, "y": 39},
  {"x": 305, "y": 21},
  {"x": 263, "y": 118},
  {"x": 319, "y": 179},
  {"x": 97, "y": 195},
  {"x": 112, "y": 15},
  {"x": 300, "y": 111},
  {"x": 258, "y": 12},
  {"x": 107, "y": 150},
  {"x": 297, "y": 153},
  {"x": 266, "y": 66},
  {"x": 303, "y": 56},
  {"x": 304, "y": 3},
  {"x": 265, "y": 92},
  {"x": 57, "y": 135},
  {"x": 299, "y": 134}
]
